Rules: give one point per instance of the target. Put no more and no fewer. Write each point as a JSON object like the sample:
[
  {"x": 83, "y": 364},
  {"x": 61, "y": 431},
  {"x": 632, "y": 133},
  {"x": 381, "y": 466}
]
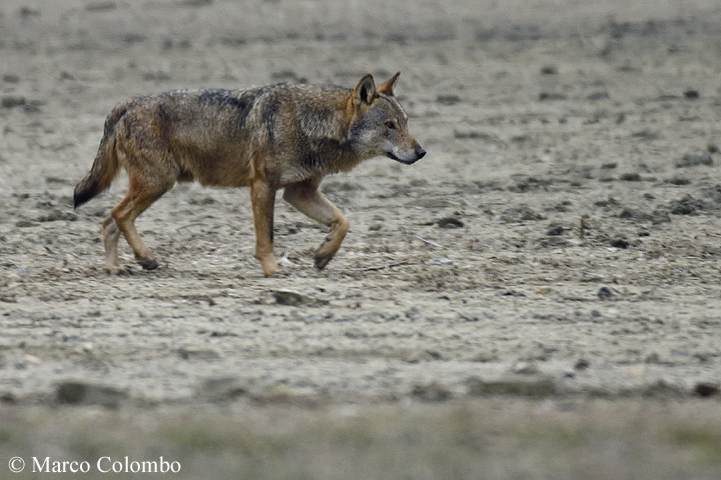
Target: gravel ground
[{"x": 537, "y": 298}]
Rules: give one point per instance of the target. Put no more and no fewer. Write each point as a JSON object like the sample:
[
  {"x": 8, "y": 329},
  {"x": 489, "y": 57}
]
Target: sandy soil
[{"x": 553, "y": 262}]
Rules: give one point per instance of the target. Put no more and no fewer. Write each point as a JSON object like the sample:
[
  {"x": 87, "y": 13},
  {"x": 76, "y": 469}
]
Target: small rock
[
  {"x": 598, "y": 96},
  {"x": 621, "y": 243},
  {"x": 196, "y": 353},
  {"x": 417, "y": 356},
  {"x": 653, "y": 358},
  {"x": 80, "y": 393},
  {"x": 582, "y": 364},
  {"x": 693, "y": 160},
  {"x": 448, "y": 99},
  {"x": 659, "y": 216},
  {"x": 294, "y": 299},
  {"x": 11, "y": 101},
  {"x": 555, "y": 230},
  {"x": 686, "y": 206},
  {"x": 630, "y": 177},
  {"x": 646, "y": 135},
  {"x": 705, "y": 389},
  {"x": 520, "y": 214},
  {"x": 224, "y": 388},
  {"x": 604, "y": 293},
  {"x": 526, "y": 184},
  {"x": 355, "y": 332},
  {"x": 517, "y": 385},
  {"x": 679, "y": 181},
  {"x": 549, "y": 70},
  {"x": 32, "y": 359},
  {"x": 691, "y": 94},
  {"x": 432, "y": 392},
  {"x": 7, "y": 397},
  {"x": 525, "y": 368},
  {"x": 450, "y": 222},
  {"x": 554, "y": 242},
  {"x": 28, "y": 12},
  {"x": 57, "y": 214},
  {"x": 635, "y": 215},
  {"x": 551, "y": 96},
  {"x": 662, "y": 389}
]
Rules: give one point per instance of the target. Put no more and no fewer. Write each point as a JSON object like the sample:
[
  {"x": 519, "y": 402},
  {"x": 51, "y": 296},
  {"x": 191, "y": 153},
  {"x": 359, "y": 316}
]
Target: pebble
[
  {"x": 604, "y": 292},
  {"x": 693, "y": 160},
  {"x": 11, "y": 101},
  {"x": 450, "y": 222},
  {"x": 80, "y": 393},
  {"x": 196, "y": 353},
  {"x": 519, "y": 214},
  {"x": 706, "y": 389},
  {"x": 534, "y": 386},
  {"x": 432, "y": 392},
  {"x": 224, "y": 388},
  {"x": 525, "y": 368},
  {"x": 554, "y": 230},
  {"x": 287, "y": 297}
]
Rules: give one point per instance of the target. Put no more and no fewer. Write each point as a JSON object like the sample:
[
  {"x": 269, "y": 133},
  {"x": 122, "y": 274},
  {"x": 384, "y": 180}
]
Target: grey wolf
[{"x": 267, "y": 138}]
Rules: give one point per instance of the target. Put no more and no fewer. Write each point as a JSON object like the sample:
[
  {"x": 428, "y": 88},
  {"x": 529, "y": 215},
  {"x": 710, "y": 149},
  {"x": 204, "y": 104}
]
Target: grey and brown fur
[{"x": 266, "y": 138}]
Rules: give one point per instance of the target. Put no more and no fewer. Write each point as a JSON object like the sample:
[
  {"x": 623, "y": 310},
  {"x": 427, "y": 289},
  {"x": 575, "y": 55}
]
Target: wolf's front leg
[
  {"x": 262, "y": 197},
  {"x": 308, "y": 200}
]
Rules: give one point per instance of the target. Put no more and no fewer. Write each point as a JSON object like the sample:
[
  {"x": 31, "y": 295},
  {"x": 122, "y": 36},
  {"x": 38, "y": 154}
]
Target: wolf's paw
[
  {"x": 118, "y": 270},
  {"x": 270, "y": 266},
  {"x": 322, "y": 259},
  {"x": 148, "y": 263}
]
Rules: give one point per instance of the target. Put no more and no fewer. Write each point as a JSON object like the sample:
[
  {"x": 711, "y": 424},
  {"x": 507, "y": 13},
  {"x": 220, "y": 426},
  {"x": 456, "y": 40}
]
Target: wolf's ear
[
  {"x": 365, "y": 92},
  {"x": 387, "y": 88}
]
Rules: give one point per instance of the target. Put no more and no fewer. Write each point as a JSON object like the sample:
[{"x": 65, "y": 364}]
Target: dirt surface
[{"x": 559, "y": 244}]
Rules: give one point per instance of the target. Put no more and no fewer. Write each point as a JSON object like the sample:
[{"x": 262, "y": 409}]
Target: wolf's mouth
[{"x": 417, "y": 155}]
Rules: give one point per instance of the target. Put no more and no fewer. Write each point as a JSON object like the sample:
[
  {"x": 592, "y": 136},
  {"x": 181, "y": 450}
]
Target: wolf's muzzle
[{"x": 417, "y": 155}]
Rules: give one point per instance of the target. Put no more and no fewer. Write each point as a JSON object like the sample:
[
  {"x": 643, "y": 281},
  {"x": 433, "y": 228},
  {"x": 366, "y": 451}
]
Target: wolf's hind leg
[
  {"x": 139, "y": 197},
  {"x": 111, "y": 234},
  {"x": 308, "y": 200}
]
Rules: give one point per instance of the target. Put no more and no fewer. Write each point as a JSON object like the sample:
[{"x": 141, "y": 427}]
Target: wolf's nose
[{"x": 420, "y": 153}]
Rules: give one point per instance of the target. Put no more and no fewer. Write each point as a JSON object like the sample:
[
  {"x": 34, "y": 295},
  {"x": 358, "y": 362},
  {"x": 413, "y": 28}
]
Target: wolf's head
[{"x": 379, "y": 125}]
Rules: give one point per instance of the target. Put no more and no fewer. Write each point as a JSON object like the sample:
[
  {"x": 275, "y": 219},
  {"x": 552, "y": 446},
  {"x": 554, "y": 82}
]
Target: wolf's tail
[{"x": 105, "y": 167}]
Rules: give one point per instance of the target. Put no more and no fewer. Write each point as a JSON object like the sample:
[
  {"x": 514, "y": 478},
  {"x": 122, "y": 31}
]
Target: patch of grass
[
  {"x": 90, "y": 448},
  {"x": 705, "y": 442},
  {"x": 195, "y": 438},
  {"x": 6, "y": 435}
]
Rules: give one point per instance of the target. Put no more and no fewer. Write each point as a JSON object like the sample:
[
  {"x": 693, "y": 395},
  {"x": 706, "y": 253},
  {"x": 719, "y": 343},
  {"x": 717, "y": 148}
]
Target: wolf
[{"x": 282, "y": 136}]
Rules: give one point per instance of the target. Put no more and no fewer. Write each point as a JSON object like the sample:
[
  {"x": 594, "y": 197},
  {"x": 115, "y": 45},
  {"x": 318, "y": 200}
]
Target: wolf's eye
[{"x": 391, "y": 125}]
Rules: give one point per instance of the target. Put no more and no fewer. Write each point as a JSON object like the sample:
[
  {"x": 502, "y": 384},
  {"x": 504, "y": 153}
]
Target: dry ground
[{"x": 537, "y": 298}]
